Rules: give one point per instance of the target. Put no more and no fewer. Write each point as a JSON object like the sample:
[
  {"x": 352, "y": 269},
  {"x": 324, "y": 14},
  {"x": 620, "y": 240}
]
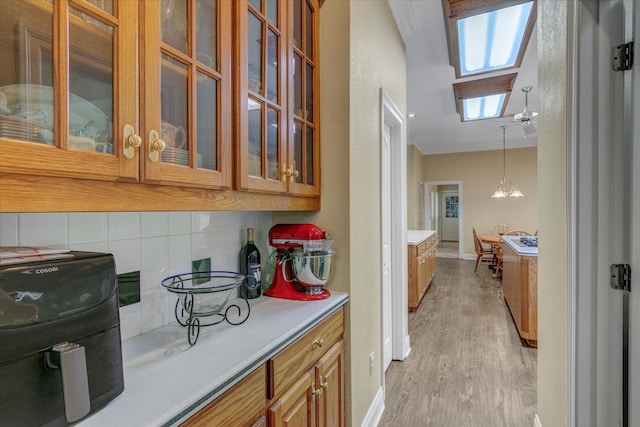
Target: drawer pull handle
[
  {"x": 316, "y": 392},
  {"x": 323, "y": 383},
  {"x": 317, "y": 343}
]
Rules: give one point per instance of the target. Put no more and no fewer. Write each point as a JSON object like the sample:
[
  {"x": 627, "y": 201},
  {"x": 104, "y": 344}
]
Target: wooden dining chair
[
  {"x": 517, "y": 233},
  {"x": 500, "y": 229},
  {"x": 483, "y": 254}
]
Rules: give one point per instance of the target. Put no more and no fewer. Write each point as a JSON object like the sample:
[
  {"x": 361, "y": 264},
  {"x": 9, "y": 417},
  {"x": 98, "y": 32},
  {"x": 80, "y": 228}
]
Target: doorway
[
  {"x": 446, "y": 220},
  {"x": 393, "y": 217}
]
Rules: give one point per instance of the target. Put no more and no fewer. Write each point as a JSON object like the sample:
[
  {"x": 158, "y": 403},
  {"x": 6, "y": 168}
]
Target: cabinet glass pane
[
  {"x": 90, "y": 84},
  {"x": 297, "y": 150},
  {"x": 173, "y": 18},
  {"x": 106, "y": 5},
  {"x": 309, "y": 157},
  {"x": 256, "y": 4},
  {"x": 272, "y": 66},
  {"x": 272, "y": 144},
  {"x": 309, "y": 92},
  {"x": 272, "y": 11},
  {"x": 173, "y": 108},
  {"x": 308, "y": 30},
  {"x": 255, "y": 137},
  {"x": 254, "y": 53},
  {"x": 297, "y": 24},
  {"x": 297, "y": 85},
  {"x": 206, "y": 32},
  {"x": 207, "y": 123},
  {"x": 26, "y": 74}
]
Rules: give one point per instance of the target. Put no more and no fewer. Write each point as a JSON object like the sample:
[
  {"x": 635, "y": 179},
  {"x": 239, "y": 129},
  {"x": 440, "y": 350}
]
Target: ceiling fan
[{"x": 526, "y": 119}]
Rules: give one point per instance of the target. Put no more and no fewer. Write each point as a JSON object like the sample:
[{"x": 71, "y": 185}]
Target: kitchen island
[
  {"x": 167, "y": 381},
  {"x": 421, "y": 264},
  {"x": 520, "y": 286}
]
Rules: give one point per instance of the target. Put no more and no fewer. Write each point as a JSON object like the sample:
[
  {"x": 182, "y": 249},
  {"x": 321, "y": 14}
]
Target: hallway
[{"x": 467, "y": 366}]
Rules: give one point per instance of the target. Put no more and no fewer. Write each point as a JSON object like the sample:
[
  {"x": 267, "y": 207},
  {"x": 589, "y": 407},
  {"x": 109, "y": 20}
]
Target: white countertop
[
  {"x": 520, "y": 248},
  {"x": 166, "y": 380},
  {"x": 415, "y": 237}
]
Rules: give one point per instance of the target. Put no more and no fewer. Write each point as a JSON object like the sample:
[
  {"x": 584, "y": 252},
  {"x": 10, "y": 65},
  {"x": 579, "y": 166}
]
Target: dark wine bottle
[{"x": 249, "y": 261}]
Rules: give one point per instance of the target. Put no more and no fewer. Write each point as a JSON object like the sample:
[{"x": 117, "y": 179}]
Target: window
[
  {"x": 492, "y": 40},
  {"x": 483, "y": 98}
]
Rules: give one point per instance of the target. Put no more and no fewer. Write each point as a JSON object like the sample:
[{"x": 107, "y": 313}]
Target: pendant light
[{"x": 506, "y": 188}]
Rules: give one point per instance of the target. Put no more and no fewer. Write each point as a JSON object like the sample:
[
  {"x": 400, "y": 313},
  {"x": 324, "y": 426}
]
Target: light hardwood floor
[{"x": 467, "y": 366}]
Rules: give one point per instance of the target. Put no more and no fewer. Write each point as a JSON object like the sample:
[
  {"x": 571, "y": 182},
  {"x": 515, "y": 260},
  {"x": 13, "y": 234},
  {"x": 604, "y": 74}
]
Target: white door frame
[
  {"x": 593, "y": 387},
  {"x": 392, "y": 116},
  {"x": 460, "y": 210}
]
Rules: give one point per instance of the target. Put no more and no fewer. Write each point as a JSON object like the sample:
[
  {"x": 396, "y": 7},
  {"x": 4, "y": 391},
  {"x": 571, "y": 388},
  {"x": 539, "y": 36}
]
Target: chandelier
[{"x": 506, "y": 188}]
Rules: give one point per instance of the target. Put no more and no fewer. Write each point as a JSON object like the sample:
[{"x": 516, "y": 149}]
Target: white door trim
[
  {"x": 392, "y": 116},
  {"x": 460, "y": 210}
]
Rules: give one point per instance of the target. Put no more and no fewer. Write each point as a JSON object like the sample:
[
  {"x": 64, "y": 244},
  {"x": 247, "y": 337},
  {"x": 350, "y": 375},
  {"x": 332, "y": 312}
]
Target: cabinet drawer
[
  {"x": 290, "y": 363},
  {"x": 422, "y": 247},
  {"x": 242, "y": 405},
  {"x": 431, "y": 241}
]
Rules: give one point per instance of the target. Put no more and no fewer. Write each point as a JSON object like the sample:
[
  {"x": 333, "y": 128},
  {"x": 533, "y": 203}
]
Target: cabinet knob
[
  {"x": 156, "y": 146},
  {"x": 323, "y": 383},
  {"x": 317, "y": 343},
  {"x": 293, "y": 173},
  {"x": 130, "y": 140},
  {"x": 316, "y": 392}
]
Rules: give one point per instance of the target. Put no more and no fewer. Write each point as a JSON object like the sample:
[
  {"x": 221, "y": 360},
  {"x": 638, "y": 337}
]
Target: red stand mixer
[{"x": 302, "y": 262}]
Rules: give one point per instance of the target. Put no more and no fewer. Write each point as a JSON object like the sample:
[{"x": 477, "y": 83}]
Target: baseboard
[
  {"x": 469, "y": 256},
  {"x": 374, "y": 414},
  {"x": 536, "y": 421},
  {"x": 407, "y": 347}
]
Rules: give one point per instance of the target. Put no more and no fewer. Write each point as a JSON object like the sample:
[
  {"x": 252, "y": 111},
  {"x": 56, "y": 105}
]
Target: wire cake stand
[{"x": 206, "y": 295}]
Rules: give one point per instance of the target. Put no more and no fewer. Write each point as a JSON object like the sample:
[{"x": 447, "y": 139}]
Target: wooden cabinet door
[
  {"x": 241, "y": 406},
  {"x": 304, "y": 136},
  {"x": 70, "y": 83},
  {"x": 261, "y": 88},
  {"x": 297, "y": 407},
  {"x": 329, "y": 376},
  {"x": 186, "y": 93}
]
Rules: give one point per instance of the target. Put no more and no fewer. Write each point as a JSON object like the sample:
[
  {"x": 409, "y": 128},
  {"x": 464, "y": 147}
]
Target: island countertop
[
  {"x": 415, "y": 237},
  {"x": 520, "y": 248},
  {"x": 166, "y": 380}
]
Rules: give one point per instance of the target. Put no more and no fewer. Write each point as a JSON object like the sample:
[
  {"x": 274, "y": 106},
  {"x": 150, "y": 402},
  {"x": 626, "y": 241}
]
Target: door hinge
[
  {"x": 622, "y": 57},
  {"x": 620, "y": 277}
]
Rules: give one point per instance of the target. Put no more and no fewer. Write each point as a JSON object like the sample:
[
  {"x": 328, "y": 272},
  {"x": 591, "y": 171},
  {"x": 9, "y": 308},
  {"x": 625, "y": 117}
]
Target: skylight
[
  {"x": 492, "y": 41},
  {"x": 484, "y": 107}
]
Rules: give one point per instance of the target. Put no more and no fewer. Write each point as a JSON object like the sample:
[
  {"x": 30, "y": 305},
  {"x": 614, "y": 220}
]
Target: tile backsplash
[{"x": 157, "y": 244}]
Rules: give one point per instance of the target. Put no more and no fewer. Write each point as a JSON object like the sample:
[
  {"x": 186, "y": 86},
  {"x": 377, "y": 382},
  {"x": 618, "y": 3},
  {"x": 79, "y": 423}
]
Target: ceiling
[{"x": 437, "y": 128}]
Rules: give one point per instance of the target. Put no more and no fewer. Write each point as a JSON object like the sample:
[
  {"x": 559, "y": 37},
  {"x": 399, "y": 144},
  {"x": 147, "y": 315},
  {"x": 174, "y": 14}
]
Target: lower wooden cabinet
[
  {"x": 316, "y": 398},
  {"x": 242, "y": 405},
  {"x": 520, "y": 290},
  {"x": 301, "y": 386},
  {"x": 422, "y": 267}
]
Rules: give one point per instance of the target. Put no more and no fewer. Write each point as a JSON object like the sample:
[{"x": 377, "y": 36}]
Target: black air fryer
[{"x": 60, "y": 349}]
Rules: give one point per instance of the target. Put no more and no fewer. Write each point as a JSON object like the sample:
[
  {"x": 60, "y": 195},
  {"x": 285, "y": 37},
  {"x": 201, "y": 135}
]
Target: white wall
[{"x": 158, "y": 244}]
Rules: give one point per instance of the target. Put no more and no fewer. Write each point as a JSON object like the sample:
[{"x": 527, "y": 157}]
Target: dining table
[{"x": 491, "y": 239}]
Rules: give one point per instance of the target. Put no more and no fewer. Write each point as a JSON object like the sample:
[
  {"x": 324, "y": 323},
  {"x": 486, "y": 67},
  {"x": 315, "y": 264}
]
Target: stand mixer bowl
[{"x": 312, "y": 269}]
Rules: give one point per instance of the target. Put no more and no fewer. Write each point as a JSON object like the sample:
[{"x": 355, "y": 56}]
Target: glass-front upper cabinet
[
  {"x": 277, "y": 124},
  {"x": 186, "y": 86},
  {"x": 68, "y": 88},
  {"x": 261, "y": 156},
  {"x": 304, "y": 137}
]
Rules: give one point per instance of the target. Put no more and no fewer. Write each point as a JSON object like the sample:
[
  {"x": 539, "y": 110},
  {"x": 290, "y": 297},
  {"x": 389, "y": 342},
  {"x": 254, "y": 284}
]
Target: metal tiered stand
[{"x": 206, "y": 294}]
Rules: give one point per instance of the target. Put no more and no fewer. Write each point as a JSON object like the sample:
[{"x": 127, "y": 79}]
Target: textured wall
[
  {"x": 480, "y": 173},
  {"x": 362, "y": 51},
  {"x": 553, "y": 72}
]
